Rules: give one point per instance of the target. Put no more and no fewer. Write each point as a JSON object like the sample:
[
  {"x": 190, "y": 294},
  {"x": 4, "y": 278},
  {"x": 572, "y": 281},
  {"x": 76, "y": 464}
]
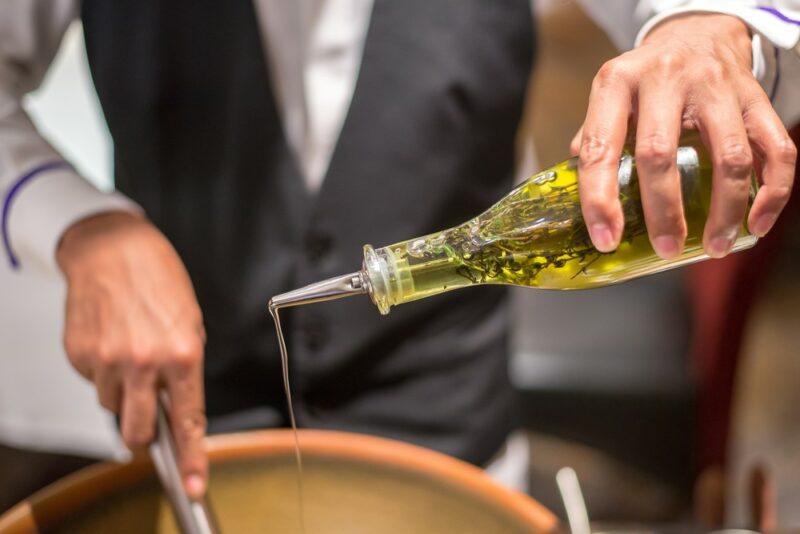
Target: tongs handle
[{"x": 192, "y": 516}]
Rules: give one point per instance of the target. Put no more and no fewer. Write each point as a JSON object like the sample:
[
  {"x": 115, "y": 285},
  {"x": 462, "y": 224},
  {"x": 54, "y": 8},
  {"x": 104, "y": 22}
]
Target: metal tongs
[
  {"x": 574, "y": 504},
  {"x": 192, "y": 516}
]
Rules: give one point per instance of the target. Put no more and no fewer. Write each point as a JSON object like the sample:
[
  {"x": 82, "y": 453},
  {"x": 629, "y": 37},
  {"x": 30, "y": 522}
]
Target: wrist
[
  {"x": 82, "y": 237},
  {"x": 720, "y": 28}
]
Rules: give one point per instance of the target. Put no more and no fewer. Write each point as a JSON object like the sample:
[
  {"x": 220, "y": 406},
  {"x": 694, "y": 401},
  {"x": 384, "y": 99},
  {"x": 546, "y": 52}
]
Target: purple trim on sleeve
[
  {"x": 777, "y": 79},
  {"x": 783, "y": 17},
  {"x": 12, "y": 192}
]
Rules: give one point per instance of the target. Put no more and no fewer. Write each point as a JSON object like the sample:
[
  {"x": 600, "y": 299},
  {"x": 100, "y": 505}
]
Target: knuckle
[
  {"x": 786, "y": 150},
  {"x": 713, "y": 72},
  {"x": 735, "y": 160},
  {"x": 611, "y": 72},
  {"x": 781, "y": 193},
  {"x": 142, "y": 359},
  {"x": 669, "y": 63},
  {"x": 186, "y": 351},
  {"x": 656, "y": 152},
  {"x": 593, "y": 150},
  {"x": 192, "y": 426},
  {"x": 105, "y": 356}
]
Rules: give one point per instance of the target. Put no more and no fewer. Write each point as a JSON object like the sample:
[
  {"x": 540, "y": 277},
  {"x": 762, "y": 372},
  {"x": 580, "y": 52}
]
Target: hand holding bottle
[{"x": 691, "y": 72}]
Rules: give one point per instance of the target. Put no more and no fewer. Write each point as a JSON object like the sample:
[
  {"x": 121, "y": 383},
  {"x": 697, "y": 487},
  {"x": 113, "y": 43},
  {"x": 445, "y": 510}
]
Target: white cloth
[{"x": 313, "y": 50}]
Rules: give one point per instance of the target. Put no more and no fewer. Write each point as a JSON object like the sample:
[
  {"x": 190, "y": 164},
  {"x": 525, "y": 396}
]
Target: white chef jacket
[{"x": 313, "y": 50}]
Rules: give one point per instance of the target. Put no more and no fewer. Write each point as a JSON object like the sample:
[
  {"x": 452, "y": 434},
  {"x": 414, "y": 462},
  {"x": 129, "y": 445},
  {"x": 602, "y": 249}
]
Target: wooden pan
[{"x": 351, "y": 484}]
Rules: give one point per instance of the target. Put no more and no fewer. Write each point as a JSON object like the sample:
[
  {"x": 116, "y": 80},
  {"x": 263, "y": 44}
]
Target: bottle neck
[{"x": 380, "y": 274}]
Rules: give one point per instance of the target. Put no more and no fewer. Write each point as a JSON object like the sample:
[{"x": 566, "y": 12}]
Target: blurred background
[{"x": 675, "y": 397}]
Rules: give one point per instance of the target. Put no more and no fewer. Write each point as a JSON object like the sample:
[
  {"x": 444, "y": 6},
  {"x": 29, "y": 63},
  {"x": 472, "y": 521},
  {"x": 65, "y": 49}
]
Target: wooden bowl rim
[{"x": 51, "y": 504}]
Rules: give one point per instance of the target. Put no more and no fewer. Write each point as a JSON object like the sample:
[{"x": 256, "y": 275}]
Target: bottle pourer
[{"x": 330, "y": 289}]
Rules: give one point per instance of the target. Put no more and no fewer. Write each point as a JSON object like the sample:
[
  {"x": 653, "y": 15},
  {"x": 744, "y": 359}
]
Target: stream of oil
[{"x": 274, "y": 312}]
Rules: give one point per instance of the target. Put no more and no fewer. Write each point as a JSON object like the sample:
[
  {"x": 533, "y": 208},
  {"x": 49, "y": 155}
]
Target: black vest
[{"x": 428, "y": 143}]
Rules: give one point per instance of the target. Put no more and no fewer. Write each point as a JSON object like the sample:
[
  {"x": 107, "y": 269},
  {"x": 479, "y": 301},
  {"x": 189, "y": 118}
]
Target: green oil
[{"x": 536, "y": 237}]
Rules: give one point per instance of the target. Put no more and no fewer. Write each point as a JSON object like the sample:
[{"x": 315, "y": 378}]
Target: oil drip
[
  {"x": 333, "y": 288},
  {"x": 273, "y": 311}
]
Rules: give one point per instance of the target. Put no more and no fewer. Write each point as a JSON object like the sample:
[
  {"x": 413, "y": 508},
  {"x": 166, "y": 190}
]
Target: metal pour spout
[{"x": 333, "y": 288}]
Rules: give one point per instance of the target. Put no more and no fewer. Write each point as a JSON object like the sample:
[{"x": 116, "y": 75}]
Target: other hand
[
  {"x": 133, "y": 326},
  {"x": 691, "y": 72}
]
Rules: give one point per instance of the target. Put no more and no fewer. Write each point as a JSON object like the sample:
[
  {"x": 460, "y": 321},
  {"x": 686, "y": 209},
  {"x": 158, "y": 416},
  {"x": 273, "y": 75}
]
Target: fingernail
[
  {"x": 763, "y": 224},
  {"x": 667, "y": 246},
  {"x": 601, "y": 237},
  {"x": 719, "y": 246},
  {"x": 195, "y": 486}
]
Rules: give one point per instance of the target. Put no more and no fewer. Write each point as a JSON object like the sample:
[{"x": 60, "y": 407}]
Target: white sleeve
[
  {"x": 40, "y": 194},
  {"x": 775, "y": 25},
  {"x": 777, "y": 20}
]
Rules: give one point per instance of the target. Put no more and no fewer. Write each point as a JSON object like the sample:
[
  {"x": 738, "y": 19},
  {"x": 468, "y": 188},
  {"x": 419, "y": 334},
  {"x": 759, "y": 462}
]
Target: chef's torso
[{"x": 427, "y": 142}]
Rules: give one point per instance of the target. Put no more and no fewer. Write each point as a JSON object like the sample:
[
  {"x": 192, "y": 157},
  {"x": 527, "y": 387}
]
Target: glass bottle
[{"x": 535, "y": 236}]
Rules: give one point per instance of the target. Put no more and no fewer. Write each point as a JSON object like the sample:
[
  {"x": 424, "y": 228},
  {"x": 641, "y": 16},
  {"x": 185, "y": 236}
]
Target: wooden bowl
[{"x": 351, "y": 484}]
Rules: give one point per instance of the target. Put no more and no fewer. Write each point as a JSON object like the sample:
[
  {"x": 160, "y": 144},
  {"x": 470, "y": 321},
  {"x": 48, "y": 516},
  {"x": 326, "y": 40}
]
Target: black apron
[{"x": 428, "y": 143}]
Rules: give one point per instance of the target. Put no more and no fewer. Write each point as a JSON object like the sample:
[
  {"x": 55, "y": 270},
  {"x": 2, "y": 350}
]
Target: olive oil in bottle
[{"x": 536, "y": 237}]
